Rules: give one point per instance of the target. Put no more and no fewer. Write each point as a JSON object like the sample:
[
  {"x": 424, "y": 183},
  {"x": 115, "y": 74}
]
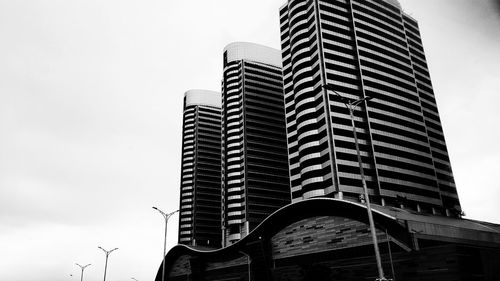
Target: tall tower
[
  {"x": 362, "y": 48},
  {"x": 255, "y": 178},
  {"x": 200, "y": 196}
]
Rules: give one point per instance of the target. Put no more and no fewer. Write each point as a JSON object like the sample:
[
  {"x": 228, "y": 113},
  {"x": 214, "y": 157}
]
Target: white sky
[{"x": 91, "y": 109}]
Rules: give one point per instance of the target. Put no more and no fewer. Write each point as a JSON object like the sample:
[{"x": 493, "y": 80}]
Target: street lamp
[
  {"x": 133, "y": 278},
  {"x": 166, "y": 217},
  {"x": 107, "y": 254},
  {"x": 83, "y": 268},
  {"x": 249, "y": 262},
  {"x": 351, "y": 106}
]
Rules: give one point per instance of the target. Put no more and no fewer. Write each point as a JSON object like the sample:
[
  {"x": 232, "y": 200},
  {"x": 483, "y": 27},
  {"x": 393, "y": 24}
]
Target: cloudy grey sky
[{"x": 91, "y": 109}]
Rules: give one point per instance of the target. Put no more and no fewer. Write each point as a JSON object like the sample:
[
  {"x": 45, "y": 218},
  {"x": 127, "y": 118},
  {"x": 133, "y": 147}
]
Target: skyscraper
[
  {"x": 255, "y": 178},
  {"x": 200, "y": 196},
  {"x": 362, "y": 48}
]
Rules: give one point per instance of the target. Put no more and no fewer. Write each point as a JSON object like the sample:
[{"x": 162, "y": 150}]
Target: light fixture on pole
[
  {"x": 133, "y": 278},
  {"x": 83, "y": 268},
  {"x": 107, "y": 255},
  {"x": 351, "y": 106},
  {"x": 166, "y": 217}
]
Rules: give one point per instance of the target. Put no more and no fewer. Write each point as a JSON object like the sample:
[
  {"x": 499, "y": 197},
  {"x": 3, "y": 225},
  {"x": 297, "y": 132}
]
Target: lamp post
[
  {"x": 166, "y": 217},
  {"x": 351, "y": 106},
  {"x": 107, "y": 255},
  {"x": 249, "y": 262},
  {"x": 133, "y": 278},
  {"x": 83, "y": 268}
]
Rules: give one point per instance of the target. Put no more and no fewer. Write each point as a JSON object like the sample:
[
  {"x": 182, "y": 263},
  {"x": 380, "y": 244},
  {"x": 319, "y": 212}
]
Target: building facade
[
  {"x": 255, "y": 178},
  {"x": 362, "y": 48},
  {"x": 326, "y": 239},
  {"x": 200, "y": 195}
]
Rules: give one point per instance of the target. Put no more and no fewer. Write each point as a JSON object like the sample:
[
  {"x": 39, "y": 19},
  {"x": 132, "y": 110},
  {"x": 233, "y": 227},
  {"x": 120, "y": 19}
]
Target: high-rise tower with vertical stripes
[
  {"x": 255, "y": 178},
  {"x": 362, "y": 48},
  {"x": 200, "y": 195}
]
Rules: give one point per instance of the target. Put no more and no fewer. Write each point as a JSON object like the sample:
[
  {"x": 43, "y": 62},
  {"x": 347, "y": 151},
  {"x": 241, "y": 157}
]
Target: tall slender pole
[
  {"x": 351, "y": 106},
  {"x": 105, "y": 267},
  {"x": 83, "y": 268},
  {"x": 390, "y": 254},
  {"x": 107, "y": 255},
  {"x": 166, "y": 217},
  {"x": 164, "y": 251},
  {"x": 367, "y": 198},
  {"x": 249, "y": 262}
]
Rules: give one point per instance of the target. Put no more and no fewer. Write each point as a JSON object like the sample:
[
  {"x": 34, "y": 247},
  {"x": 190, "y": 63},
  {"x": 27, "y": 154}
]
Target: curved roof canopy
[{"x": 400, "y": 224}]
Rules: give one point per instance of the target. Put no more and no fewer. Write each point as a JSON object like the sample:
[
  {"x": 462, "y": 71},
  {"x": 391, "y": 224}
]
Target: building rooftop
[
  {"x": 253, "y": 52},
  {"x": 394, "y": 3},
  {"x": 203, "y": 97}
]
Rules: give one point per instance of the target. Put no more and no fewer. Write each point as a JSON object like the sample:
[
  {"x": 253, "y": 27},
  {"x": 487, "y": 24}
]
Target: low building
[{"x": 329, "y": 239}]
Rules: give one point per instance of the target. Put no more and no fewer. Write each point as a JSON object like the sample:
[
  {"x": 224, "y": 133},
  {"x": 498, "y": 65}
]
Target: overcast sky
[{"x": 91, "y": 110}]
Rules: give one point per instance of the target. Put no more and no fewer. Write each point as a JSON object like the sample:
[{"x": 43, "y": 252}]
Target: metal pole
[
  {"x": 249, "y": 268},
  {"x": 83, "y": 268},
  {"x": 351, "y": 105},
  {"x": 107, "y": 254},
  {"x": 249, "y": 261},
  {"x": 105, "y": 266},
  {"x": 390, "y": 254},
  {"x": 164, "y": 250},
  {"x": 166, "y": 217}
]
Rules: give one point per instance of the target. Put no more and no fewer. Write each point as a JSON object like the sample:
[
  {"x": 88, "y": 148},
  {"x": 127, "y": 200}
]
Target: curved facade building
[
  {"x": 200, "y": 201},
  {"x": 255, "y": 179},
  {"x": 328, "y": 239},
  {"x": 362, "y": 48}
]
